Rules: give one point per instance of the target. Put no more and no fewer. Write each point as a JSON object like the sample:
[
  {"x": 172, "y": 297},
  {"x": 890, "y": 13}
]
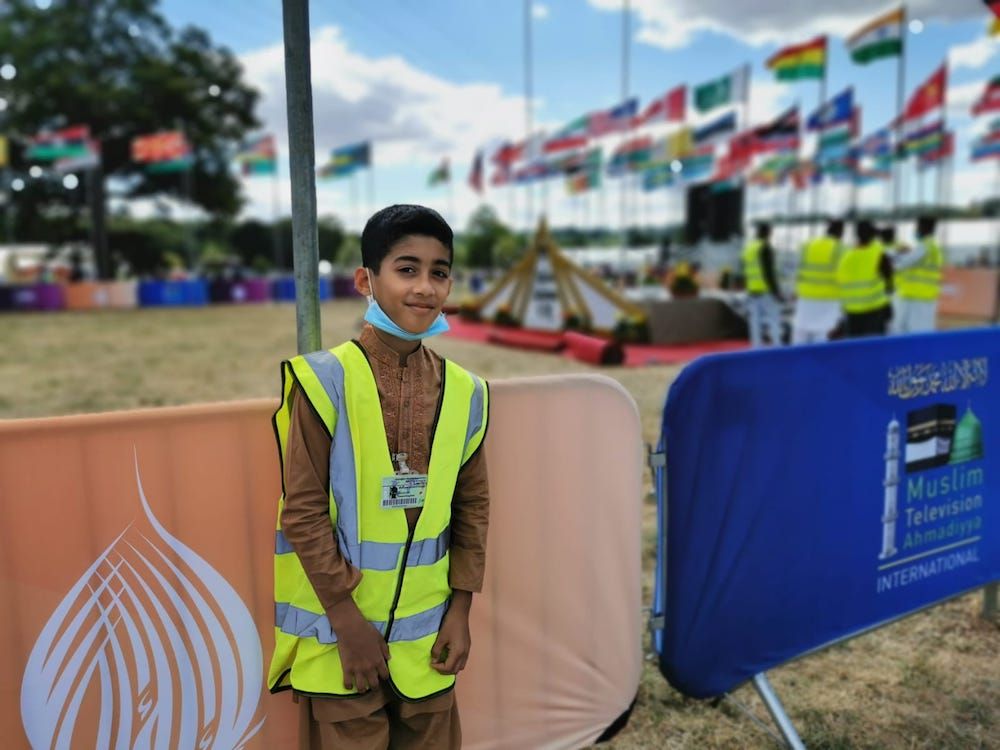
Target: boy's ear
[{"x": 361, "y": 282}]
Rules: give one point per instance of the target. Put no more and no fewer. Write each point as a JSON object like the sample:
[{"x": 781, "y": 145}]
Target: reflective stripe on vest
[
  {"x": 817, "y": 274},
  {"x": 752, "y": 268},
  {"x": 922, "y": 282},
  {"x": 341, "y": 388},
  {"x": 859, "y": 278}
]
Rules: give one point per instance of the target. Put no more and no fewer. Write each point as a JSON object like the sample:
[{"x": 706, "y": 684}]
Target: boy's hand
[
  {"x": 363, "y": 650},
  {"x": 450, "y": 651}
]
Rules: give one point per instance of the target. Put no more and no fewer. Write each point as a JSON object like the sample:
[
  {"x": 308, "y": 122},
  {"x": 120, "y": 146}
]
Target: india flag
[{"x": 880, "y": 37}]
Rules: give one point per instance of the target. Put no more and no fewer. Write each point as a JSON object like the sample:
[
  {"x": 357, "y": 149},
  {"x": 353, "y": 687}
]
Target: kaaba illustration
[
  {"x": 929, "y": 434},
  {"x": 934, "y": 438}
]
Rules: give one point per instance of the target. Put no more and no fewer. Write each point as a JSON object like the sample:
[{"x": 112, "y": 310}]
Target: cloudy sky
[{"x": 439, "y": 79}]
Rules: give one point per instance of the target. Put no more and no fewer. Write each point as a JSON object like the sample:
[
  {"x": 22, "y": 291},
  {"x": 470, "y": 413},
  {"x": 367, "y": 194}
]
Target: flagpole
[
  {"x": 897, "y": 167},
  {"x": 628, "y": 128},
  {"x": 939, "y": 195},
  {"x": 814, "y": 208},
  {"x": 352, "y": 188},
  {"x": 528, "y": 105}
]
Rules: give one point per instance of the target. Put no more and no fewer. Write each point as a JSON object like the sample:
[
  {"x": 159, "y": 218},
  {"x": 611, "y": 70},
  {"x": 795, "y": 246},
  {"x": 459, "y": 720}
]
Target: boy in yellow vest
[
  {"x": 381, "y": 534},
  {"x": 817, "y": 304},
  {"x": 864, "y": 277},
  {"x": 763, "y": 294}
]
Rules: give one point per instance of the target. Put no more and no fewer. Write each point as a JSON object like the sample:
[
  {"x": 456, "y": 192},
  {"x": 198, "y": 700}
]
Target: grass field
[{"x": 931, "y": 681}]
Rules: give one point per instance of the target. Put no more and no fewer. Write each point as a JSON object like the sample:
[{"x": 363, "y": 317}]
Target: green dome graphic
[{"x": 967, "y": 445}]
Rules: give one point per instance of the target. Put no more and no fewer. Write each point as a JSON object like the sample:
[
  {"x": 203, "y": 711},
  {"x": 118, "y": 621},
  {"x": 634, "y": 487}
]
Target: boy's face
[{"x": 412, "y": 283}]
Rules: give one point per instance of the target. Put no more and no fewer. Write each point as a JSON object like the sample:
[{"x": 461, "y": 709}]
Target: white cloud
[
  {"x": 539, "y": 11},
  {"x": 411, "y": 116},
  {"x": 961, "y": 98},
  {"x": 973, "y": 55},
  {"x": 672, "y": 23}
]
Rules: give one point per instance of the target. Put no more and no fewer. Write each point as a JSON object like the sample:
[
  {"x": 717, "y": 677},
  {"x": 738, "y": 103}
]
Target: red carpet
[{"x": 636, "y": 355}]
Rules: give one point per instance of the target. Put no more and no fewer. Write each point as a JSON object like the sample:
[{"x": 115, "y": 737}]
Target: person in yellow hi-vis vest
[
  {"x": 763, "y": 294},
  {"x": 918, "y": 281},
  {"x": 864, "y": 277},
  {"x": 817, "y": 304},
  {"x": 381, "y": 533}
]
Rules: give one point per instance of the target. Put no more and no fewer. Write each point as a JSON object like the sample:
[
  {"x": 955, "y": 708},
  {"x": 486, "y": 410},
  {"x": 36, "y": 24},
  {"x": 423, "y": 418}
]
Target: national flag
[
  {"x": 89, "y": 158},
  {"x": 929, "y": 96},
  {"x": 774, "y": 171},
  {"x": 582, "y": 181},
  {"x": 580, "y": 161},
  {"x": 945, "y": 150},
  {"x": 880, "y": 37},
  {"x": 476, "y": 173},
  {"x": 658, "y": 176},
  {"x": 729, "y": 89},
  {"x": 835, "y": 140},
  {"x": 800, "y": 61},
  {"x": 678, "y": 144},
  {"x": 166, "y": 146},
  {"x": 65, "y": 143},
  {"x": 613, "y": 120},
  {"x": 508, "y": 153},
  {"x": 994, "y": 5},
  {"x": 258, "y": 156},
  {"x": 877, "y": 144},
  {"x": 804, "y": 174},
  {"x": 782, "y": 134},
  {"x": 572, "y": 135},
  {"x": 501, "y": 176},
  {"x": 986, "y": 147},
  {"x": 698, "y": 165},
  {"x": 440, "y": 175},
  {"x": 990, "y": 99},
  {"x": 924, "y": 140},
  {"x": 839, "y": 109},
  {"x": 668, "y": 108},
  {"x": 718, "y": 128},
  {"x": 630, "y": 156}
]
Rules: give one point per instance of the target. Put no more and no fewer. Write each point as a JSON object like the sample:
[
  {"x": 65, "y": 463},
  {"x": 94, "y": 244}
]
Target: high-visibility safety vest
[
  {"x": 817, "y": 275},
  {"x": 752, "y": 267},
  {"x": 404, "y": 590},
  {"x": 862, "y": 288},
  {"x": 922, "y": 282}
]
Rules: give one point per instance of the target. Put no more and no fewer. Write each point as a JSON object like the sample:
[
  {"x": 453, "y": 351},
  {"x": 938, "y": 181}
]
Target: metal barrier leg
[
  {"x": 990, "y": 600},
  {"x": 777, "y": 711}
]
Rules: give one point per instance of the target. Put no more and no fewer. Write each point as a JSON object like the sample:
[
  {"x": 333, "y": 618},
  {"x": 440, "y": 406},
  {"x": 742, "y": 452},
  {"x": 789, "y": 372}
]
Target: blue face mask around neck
[{"x": 380, "y": 320}]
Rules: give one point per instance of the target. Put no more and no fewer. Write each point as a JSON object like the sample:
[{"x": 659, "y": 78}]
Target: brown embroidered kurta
[{"x": 409, "y": 388}]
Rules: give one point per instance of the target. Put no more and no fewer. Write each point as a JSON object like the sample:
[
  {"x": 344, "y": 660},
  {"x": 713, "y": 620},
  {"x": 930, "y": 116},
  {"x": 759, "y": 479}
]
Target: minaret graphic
[{"x": 890, "y": 484}]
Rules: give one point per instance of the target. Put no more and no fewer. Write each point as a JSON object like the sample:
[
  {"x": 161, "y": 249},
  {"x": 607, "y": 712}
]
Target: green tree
[
  {"x": 484, "y": 232},
  {"x": 118, "y": 67}
]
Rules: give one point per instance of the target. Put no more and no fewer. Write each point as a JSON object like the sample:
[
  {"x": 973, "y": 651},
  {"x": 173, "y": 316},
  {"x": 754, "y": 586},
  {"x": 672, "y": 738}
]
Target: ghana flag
[{"x": 800, "y": 61}]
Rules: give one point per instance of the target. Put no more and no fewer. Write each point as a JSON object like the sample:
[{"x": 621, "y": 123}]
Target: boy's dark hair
[
  {"x": 763, "y": 230},
  {"x": 835, "y": 228},
  {"x": 887, "y": 234},
  {"x": 388, "y": 226},
  {"x": 926, "y": 226}
]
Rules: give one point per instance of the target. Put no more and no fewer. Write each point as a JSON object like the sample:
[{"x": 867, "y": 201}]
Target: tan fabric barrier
[
  {"x": 136, "y": 569},
  {"x": 89, "y": 295},
  {"x": 970, "y": 293}
]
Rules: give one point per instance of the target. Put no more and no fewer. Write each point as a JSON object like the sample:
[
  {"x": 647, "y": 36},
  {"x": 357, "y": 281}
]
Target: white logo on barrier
[{"x": 153, "y": 646}]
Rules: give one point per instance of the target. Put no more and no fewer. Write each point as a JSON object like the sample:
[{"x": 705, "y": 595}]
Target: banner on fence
[{"x": 815, "y": 492}]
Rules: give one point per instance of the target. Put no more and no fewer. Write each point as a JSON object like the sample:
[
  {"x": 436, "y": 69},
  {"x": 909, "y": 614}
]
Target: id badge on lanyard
[{"x": 405, "y": 488}]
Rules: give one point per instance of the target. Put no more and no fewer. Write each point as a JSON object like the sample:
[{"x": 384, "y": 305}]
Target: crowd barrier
[
  {"x": 809, "y": 494},
  {"x": 137, "y": 574},
  {"x": 91, "y": 295}
]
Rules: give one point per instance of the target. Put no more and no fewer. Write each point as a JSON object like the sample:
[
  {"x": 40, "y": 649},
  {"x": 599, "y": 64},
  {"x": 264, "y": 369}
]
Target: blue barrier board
[{"x": 814, "y": 492}]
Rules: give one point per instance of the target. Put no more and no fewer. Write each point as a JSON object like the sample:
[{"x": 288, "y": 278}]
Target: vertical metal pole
[
  {"x": 528, "y": 107},
  {"x": 626, "y": 18},
  {"x": 897, "y": 166},
  {"x": 939, "y": 190},
  {"x": 814, "y": 208},
  {"x": 990, "y": 591},
  {"x": 302, "y": 167},
  {"x": 777, "y": 711},
  {"x": 275, "y": 215}
]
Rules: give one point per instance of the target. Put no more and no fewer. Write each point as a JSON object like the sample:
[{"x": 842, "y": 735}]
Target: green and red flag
[
  {"x": 800, "y": 61},
  {"x": 440, "y": 175},
  {"x": 65, "y": 143},
  {"x": 167, "y": 151},
  {"x": 880, "y": 37},
  {"x": 989, "y": 101},
  {"x": 259, "y": 156}
]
